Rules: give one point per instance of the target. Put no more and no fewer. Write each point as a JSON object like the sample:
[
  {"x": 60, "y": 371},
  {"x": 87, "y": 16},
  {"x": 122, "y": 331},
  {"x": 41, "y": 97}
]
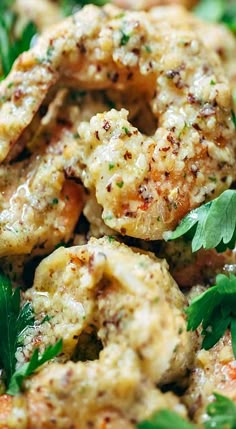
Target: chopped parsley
[
  {"x": 124, "y": 38},
  {"x": 14, "y": 321},
  {"x": 221, "y": 414},
  {"x": 120, "y": 184},
  {"x": 212, "y": 225}
]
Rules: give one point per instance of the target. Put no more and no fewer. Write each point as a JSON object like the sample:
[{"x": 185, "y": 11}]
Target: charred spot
[{"x": 97, "y": 135}]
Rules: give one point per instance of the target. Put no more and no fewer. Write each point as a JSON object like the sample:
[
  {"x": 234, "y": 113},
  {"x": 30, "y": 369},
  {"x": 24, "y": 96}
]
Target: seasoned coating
[
  {"x": 214, "y": 371},
  {"x": 39, "y": 206},
  {"x": 98, "y": 48},
  {"x": 147, "y": 4},
  {"x": 215, "y": 36},
  {"x": 137, "y": 310}
]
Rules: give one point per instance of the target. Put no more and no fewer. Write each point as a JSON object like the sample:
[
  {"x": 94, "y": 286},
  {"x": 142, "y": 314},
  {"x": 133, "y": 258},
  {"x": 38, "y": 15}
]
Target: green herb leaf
[
  {"x": 222, "y": 413},
  {"x": 165, "y": 419},
  {"x": 70, "y": 6},
  {"x": 212, "y": 225},
  {"x": 218, "y": 11},
  {"x": 13, "y": 322},
  {"x": 30, "y": 367},
  {"x": 215, "y": 309},
  {"x": 10, "y": 47}
]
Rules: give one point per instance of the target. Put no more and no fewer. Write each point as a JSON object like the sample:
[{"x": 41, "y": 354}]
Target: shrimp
[
  {"x": 39, "y": 205},
  {"x": 43, "y": 13},
  {"x": 214, "y": 36},
  {"x": 137, "y": 310},
  {"x": 214, "y": 371},
  {"x": 147, "y": 4},
  {"x": 189, "y": 269},
  {"x": 195, "y": 139}
]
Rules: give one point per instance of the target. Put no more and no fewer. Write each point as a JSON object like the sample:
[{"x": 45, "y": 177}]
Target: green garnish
[
  {"x": 215, "y": 309},
  {"x": 126, "y": 130},
  {"x": 221, "y": 415},
  {"x": 55, "y": 201},
  {"x": 120, "y": 184},
  {"x": 218, "y": 11},
  {"x": 212, "y": 225},
  {"x": 124, "y": 38},
  {"x": 14, "y": 321},
  {"x": 10, "y": 45},
  {"x": 233, "y": 118},
  {"x": 30, "y": 367},
  {"x": 70, "y": 6}
]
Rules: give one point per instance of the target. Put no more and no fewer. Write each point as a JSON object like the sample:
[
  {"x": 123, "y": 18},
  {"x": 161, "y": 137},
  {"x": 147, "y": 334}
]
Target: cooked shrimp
[
  {"x": 214, "y": 36},
  {"x": 137, "y": 310},
  {"x": 42, "y": 12},
  {"x": 147, "y": 4},
  {"x": 214, "y": 371},
  {"x": 98, "y": 48},
  {"x": 39, "y": 206},
  {"x": 189, "y": 269}
]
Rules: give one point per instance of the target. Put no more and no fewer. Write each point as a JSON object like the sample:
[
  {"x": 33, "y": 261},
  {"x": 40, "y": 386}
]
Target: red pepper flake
[{"x": 106, "y": 125}]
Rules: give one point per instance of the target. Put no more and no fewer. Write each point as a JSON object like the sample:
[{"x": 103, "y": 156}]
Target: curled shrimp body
[
  {"x": 214, "y": 371},
  {"x": 39, "y": 204},
  {"x": 194, "y": 141},
  {"x": 136, "y": 308}
]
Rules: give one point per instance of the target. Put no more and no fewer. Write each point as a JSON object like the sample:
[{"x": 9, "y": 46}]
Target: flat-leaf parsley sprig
[
  {"x": 14, "y": 321},
  {"x": 212, "y": 225},
  {"x": 221, "y": 414},
  {"x": 215, "y": 309},
  {"x": 10, "y": 45}
]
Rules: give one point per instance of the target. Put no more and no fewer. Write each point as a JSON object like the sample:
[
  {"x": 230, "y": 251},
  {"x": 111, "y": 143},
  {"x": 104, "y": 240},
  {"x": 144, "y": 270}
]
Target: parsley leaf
[
  {"x": 13, "y": 321},
  {"x": 212, "y": 225},
  {"x": 221, "y": 415},
  {"x": 218, "y": 11},
  {"x": 70, "y": 6},
  {"x": 10, "y": 46},
  {"x": 215, "y": 309},
  {"x": 30, "y": 367},
  {"x": 165, "y": 419}
]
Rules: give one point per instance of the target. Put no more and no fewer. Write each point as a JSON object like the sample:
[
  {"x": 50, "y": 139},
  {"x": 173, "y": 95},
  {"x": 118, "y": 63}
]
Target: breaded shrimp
[
  {"x": 147, "y": 4},
  {"x": 97, "y": 48},
  {"x": 214, "y": 36},
  {"x": 42, "y": 12},
  {"x": 189, "y": 269},
  {"x": 39, "y": 205},
  {"x": 214, "y": 371},
  {"x": 137, "y": 310}
]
